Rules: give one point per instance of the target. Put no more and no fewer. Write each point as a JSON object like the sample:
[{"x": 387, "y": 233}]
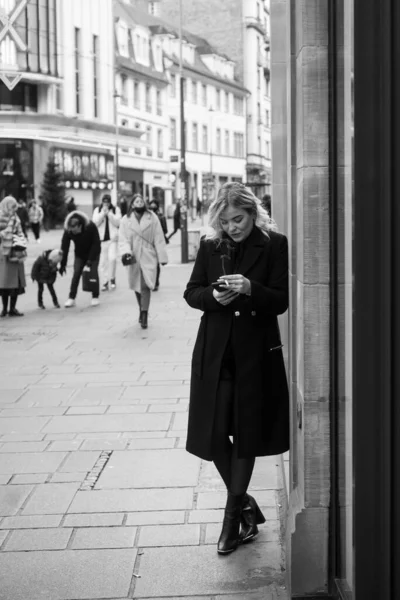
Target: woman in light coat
[
  {"x": 12, "y": 271},
  {"x": 141, "y": 242},
  {"x": 107, "y": 218}
]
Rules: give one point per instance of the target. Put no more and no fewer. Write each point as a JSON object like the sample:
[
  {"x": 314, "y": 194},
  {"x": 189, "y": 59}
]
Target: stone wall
[{"x": 300, "y": 128}]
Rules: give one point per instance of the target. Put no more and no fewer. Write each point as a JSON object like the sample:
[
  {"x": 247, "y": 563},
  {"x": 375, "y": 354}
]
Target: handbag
[
  {"x": 90, "y": 279},
  {"x": 128, "y": 259}
]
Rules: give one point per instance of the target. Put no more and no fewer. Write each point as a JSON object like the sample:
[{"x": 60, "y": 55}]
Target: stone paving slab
[
  {"x": 42, "y": 411},
  {"x": 37, "y": 522},
  {"x": 97, "y": 393},
  {"x": 30, "y": 478},
  {"x": 77, "y": 574},
  {"x": 31, "y": 462},
  {"x": 12, "y": 498},
  {"x": 32, "y": 396},
  {"x": 140, "y": 392},
  {"x": 9, "y": 396},
  {"x": 169, "y": 535},
  {"x": 132, "y": 500},
  {"x": 162, "y": 517},
  {"x": 104, "y": 537},
  {"x": 94, "y": 520},
  {"x": 150, "y": 469},
  {"x": 107, "y": 423},
  {"x": 15, "y": 447},
  {"x": 151, "y": 444},
  {"x": 26, "y": 425},
  {"x": 79, "y": 462},
  {"x": 251, "y": 568},
  {"x": 51, "y": 498},
  {"x": 37, "y": 539}
]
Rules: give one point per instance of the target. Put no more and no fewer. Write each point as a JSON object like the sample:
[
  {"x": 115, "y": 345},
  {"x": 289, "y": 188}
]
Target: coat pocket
[{"x": 279, "y": 347}]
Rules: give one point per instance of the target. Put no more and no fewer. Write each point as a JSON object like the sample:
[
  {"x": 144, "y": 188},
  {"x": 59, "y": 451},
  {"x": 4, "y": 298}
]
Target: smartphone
[{"x": 220, "y": 286}]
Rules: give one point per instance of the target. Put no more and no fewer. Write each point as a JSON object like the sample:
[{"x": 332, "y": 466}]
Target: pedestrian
[
  {"x": 177, "y": 220},
  {"x": 238, "y": 381},
  {"x": 12, "y": 256},
  {"x": 266, "y": 202},
  {"x": 85, "y": 235},
  {"x": 155, "y": 207},
  {"x": 107, "y": 219},
  {"x": 23, "y": 215},
  {"x": 35, "y": 213},
  {"x": 44, "y": 271},
  {"x": 142, "y": 247},
  {"x": 199, "y": 206},
  {"x": 71, "y": 206},
  {"x": 123, "y": 206}
]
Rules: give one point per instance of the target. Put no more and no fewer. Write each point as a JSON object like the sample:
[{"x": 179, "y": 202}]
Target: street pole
[
  {"x": 210, "y": 110},
  {"x": 116, "y": 95},
  {"x": 184, "y": 183}
]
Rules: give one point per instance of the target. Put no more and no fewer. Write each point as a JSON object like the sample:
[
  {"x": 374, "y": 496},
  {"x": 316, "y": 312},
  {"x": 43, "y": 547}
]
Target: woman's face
[
  {"x": 237, "y": 223},
  {"x": 138, "y": 202},
  {"x": 13, "y": 208}
]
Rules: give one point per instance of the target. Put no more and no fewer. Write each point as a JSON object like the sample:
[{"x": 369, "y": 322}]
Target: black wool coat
[
  {"x": 43, "y": 271},
  {"x": 251, "y": 324}
]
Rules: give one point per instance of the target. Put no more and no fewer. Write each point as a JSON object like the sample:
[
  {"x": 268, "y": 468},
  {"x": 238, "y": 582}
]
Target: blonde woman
[
  {"x": 142, "y": 247},
  {"x": 238, "y": 384}
]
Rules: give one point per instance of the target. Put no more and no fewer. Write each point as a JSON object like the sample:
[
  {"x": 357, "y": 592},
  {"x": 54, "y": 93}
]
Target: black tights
[
  {"x": 13, "y": 300},
  {"x": 235, "y": 472}
]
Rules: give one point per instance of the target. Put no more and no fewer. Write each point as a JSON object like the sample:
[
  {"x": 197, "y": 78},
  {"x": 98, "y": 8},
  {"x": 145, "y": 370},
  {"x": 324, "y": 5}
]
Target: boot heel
[{"x": 259, "y": 516}]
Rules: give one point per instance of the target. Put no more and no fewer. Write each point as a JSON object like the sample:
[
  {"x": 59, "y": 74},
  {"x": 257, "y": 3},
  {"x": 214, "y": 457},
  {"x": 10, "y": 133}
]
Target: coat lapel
[{"x": 145, "y": 222}]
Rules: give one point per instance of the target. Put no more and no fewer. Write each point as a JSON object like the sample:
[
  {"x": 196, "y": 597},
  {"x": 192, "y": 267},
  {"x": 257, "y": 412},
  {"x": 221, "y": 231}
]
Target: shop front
[
  {"x": 87, "y": 175},
  {"x": 16, "y": 168}
]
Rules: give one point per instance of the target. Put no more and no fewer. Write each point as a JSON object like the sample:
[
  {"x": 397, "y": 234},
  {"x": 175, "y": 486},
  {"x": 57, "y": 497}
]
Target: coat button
[
  {"x": 237, "y": 313},
  {"x": 253, "y": 313}
]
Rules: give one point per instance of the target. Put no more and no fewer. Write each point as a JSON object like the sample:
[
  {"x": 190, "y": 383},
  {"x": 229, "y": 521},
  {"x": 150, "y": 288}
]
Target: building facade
[
  {"x": 214, "y": 108},
  {"x": 62, "y": 109},
  {"x": 240, "y": 29}
]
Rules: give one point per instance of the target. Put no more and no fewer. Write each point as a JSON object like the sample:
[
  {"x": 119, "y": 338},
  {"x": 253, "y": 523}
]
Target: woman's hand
[
  {"x": 238, "y": 283},
  {"x": 225, "y": 298}
]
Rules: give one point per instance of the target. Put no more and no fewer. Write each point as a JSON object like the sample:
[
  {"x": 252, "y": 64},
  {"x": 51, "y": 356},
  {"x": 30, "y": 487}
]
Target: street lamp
[
  {"x": 116, "y": 96},
  {"x": 211, "y": 110}
]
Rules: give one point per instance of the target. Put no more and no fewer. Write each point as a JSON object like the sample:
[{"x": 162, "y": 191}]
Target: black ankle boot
[
  {"x": 250, "y": 518},
  {"x": 143, "y": 319},
  {"x": 230, "y": 538}
]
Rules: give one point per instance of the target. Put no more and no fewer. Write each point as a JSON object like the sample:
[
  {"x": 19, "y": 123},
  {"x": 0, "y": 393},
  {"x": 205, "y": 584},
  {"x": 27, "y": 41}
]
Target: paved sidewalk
[{"x": 98, "y": 498}]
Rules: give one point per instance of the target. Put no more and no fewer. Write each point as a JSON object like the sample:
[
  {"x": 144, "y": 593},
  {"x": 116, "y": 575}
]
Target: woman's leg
[
  {"x": 13, "y": 303},
  {"x": 222, "y": 446},
  {"x": 112, "y": 261},
  {"x": 145, "y": 301},
  {"x": 104, "y": 265},
  {"x": 40, "y": 294},
  {"x": 35, "y": 229},
  {"x": 4, "y": 299}
]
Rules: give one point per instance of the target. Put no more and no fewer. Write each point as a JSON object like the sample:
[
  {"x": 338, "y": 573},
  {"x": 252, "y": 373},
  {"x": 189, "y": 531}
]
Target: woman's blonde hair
[{"x": 237, "y": 195}]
